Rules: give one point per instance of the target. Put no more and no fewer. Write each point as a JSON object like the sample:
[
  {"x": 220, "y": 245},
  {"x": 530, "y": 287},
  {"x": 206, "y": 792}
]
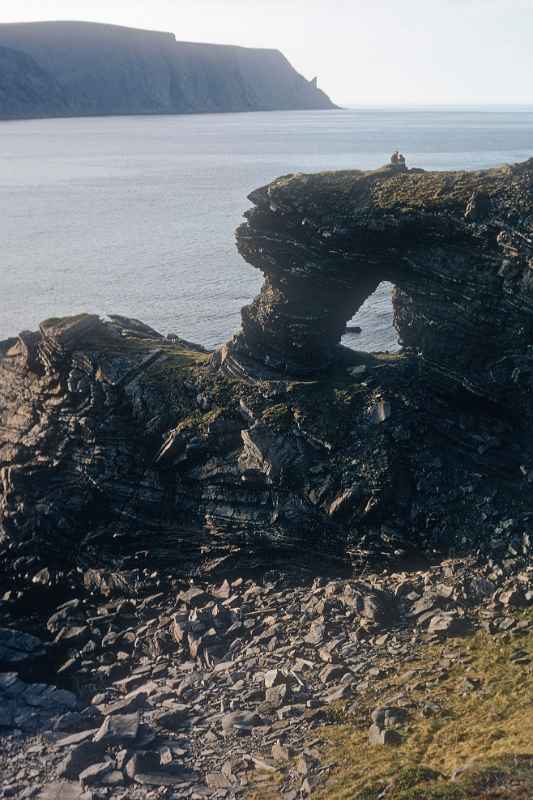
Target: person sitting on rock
[{"x": 397, "y": 159}]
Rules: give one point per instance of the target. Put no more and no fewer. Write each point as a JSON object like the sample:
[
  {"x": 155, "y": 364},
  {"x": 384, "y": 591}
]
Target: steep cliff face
[
  {"x": 87, "y": 68},
  {"x": 26, "y": 88},
  {"x": 117, "y": 441}
]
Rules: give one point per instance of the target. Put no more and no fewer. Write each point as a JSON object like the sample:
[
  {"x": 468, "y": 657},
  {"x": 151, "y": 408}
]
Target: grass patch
[
  {"x": 278, "y": 417},
  {"x": 65, "y": 322},
  {"x": 169, "y": 372},
  {"x": 485, "y": 733}
]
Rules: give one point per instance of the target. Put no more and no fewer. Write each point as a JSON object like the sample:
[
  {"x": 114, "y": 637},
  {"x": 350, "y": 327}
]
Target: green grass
[
  {"x": 278, "y": 416},
  {"x": 487, "y": 733}
]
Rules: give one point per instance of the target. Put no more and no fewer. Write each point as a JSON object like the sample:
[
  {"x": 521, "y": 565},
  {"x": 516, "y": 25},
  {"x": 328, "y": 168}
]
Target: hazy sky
[{"x": 363, "y": 51}]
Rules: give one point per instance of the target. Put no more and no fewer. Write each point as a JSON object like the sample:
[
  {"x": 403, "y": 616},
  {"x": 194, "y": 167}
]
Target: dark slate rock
[
  {"x": 118, "y": 729},
  {"x": 17, "y": 647}
]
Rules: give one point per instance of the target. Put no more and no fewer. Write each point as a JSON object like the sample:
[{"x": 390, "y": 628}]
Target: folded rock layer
[
  {"x": 117, "y": 443},
  {"x": 457, "y": 246}
]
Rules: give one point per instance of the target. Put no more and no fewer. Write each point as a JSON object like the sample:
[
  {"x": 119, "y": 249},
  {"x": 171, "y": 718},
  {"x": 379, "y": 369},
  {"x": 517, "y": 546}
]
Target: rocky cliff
[
  {"x": 457, "y": 247},
  {"x": 79, "y": 68},
  {"x": 117, "y": 443},
  {"x": 129, "y": 461},
  {"x": 26, "y": 89}
]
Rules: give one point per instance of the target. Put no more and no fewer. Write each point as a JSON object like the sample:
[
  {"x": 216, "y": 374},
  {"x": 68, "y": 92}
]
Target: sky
[{"x": 368, "y": 52}]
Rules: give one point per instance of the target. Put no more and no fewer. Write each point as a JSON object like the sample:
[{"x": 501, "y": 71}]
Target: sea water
[{"x": 136, "y": 215}]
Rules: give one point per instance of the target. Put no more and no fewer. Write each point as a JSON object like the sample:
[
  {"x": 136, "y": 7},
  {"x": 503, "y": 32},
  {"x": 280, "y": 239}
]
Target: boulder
[
  {"x": 19, "y": 648},
  {"x": 118, "y": 729}
]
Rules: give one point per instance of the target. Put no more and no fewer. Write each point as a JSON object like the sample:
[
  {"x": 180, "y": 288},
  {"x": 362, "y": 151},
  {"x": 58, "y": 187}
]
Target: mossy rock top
[{"x": 388, "y": 189}]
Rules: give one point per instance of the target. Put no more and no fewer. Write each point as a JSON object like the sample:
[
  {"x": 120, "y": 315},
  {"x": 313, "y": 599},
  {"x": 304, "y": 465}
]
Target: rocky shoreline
[{"x": 217, "y": 566}]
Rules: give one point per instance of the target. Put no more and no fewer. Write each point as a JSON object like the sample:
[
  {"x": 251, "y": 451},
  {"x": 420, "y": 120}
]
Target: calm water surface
[{"x": 135, "y": 215}]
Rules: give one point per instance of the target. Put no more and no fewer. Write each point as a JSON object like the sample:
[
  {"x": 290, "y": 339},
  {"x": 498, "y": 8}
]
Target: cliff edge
[
  {"x": 81, "y": 68},
  {"x": 115, "y": 440}
]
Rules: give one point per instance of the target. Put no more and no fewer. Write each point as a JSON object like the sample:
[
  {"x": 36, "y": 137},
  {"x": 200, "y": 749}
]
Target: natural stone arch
[
  {"x": 455, "y": 245},
  {"x": 296, "y": 326},
  {"x": 113, "y": 435}
]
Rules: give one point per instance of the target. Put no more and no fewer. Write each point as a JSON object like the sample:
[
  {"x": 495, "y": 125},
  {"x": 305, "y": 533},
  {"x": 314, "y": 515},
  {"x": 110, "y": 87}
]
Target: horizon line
[{"x": 444, "y": 104}]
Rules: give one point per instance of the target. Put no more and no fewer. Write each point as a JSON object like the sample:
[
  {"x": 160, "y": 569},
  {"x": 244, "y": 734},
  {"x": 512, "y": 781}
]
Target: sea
[{"x": 136, "y": 215}]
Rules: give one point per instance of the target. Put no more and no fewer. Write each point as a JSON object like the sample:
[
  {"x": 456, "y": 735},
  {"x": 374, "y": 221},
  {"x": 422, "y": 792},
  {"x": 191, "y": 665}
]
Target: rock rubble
[{"x": 222, "y": 689}]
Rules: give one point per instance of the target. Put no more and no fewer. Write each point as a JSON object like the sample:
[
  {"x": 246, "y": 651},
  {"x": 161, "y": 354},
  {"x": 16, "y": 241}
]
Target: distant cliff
[{"x": 81, "y": 68}]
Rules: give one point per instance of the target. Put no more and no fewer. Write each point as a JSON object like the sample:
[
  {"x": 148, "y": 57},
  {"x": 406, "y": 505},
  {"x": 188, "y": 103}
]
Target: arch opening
[{"x": 375, "y": 319}]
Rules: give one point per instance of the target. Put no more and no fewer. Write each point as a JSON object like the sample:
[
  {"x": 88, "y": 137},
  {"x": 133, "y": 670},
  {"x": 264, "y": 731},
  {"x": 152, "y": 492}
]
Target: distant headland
[{"x": 55, "y": 69}]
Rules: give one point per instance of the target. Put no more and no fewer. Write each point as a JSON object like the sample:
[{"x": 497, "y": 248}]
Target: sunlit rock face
[
  {"x": 457, "y": 246},
  {"x": 121, "y": 446}
]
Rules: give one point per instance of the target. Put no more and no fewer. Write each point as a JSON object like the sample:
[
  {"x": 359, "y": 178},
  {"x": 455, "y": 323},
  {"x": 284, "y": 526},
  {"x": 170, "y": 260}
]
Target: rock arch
[
  {"x": 457, "y": 246},
  {"x": 113, "y": 436}
]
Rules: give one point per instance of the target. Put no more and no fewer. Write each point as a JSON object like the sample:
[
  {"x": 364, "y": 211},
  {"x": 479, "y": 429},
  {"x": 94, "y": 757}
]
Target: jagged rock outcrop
[
  {"x": 118, "y": 443},
  {"x": 112, "y": 435},
  {"x": 81, "y": 68},
  {"x": 457, "y": 246}
]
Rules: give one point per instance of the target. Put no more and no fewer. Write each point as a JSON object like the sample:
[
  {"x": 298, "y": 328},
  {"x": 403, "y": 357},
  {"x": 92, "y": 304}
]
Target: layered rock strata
[
  {"x": 116, "y": 442},
  {"x": 457, "y": 246}
]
